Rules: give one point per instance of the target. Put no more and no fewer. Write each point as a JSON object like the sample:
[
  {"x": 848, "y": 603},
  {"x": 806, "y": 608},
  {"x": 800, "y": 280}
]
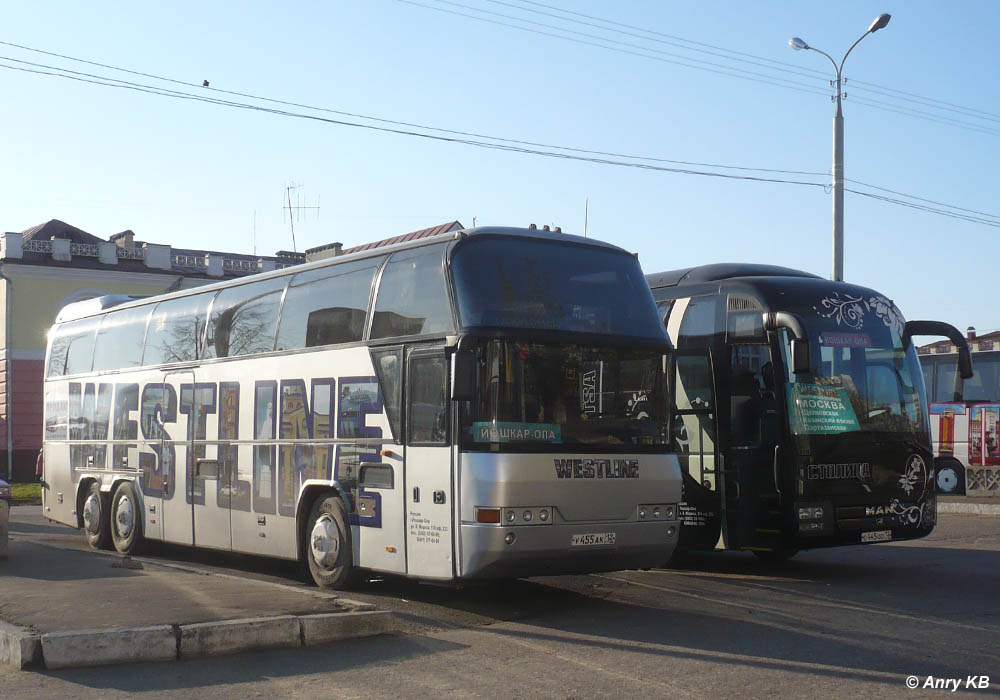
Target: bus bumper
[{"x": 547, "y": 550}]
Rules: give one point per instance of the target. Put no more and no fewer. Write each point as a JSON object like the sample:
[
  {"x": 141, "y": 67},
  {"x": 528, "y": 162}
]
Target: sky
[{"x": 685, "y": 85}]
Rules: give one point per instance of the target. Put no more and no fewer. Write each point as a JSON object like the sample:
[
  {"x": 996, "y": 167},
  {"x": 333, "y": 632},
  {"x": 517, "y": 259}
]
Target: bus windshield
[
  {"x": 553, "y": 285},
  {"x": 861, "y": 379},
  {"x": 569, "y": 397}
]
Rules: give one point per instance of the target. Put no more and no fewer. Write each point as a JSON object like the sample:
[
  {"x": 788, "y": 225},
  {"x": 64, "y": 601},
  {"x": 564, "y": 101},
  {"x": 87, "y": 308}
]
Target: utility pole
[{"x": 838, "y": 141}]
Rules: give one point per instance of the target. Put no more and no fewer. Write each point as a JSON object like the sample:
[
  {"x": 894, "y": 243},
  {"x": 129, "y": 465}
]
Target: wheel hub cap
[
  {"x": 124, "y": 517},
  {"x": 324, "y": 541},
  {"x": 92, "y": 514}
]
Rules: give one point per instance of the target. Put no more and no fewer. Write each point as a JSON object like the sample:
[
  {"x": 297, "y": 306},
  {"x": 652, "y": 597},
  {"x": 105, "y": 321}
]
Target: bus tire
[
  {"x": 328, "y": 548},
  {"x": 126, "y": 519},
  {"x": 95, "y": 514},
  {"x": 775, "y": 556}
]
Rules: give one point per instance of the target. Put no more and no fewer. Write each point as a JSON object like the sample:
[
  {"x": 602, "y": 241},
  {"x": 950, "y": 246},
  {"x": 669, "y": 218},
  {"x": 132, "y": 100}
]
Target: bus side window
[
  {"x": 72, "y": 348},
  {"x": 119, "y": 340},
  {"x": 327, "y": 306},
  {"x": 412, "y": 296},
  {"x": 243, "y": 319},
  {"x": 427, "y": 415},
  {"x": 176, "y": 330},
  {"x": 389, "y": 368}
]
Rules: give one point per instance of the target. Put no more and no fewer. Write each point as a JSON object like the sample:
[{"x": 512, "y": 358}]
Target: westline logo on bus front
[{"x": 597, "y": 468}]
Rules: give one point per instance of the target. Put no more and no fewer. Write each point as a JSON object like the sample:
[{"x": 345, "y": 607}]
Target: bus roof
[
  {"x": 721, "y": 271},
  {"x": 91, "y": 307}
]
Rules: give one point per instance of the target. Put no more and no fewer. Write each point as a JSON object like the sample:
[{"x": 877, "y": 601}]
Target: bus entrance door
[
  {"x": 429, "y": 493},
  {"x": 753, "y": 518}
]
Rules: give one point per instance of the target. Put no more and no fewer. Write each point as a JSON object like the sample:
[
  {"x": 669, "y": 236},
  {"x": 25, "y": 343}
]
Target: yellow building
[{"x": 53, "y": 264}]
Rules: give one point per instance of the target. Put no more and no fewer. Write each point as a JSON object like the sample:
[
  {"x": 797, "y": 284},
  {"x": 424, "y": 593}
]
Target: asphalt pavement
[{"x": 853, "y": 621}]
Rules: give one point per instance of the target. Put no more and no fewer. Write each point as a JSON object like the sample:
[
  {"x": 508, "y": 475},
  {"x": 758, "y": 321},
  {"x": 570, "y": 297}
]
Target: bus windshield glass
[
  {"x": 567, "y": 397},
  {"x": 861, "y": 378},
  {"x": 552, "y": 285}
]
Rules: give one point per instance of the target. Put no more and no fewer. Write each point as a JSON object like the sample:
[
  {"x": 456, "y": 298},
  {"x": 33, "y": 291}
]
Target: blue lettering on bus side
[
  {"x": 126, "y": 401},
  {"x": 198, "y": 400},
  {"x": 277, "y": 479},
  {"x": 358, "y": 398},
  {"x": 89, "y": 416},
  {"x": 265, "y": 399},
  {"x": 232, "y": 493},
  {"x": 157, "y": 408}
]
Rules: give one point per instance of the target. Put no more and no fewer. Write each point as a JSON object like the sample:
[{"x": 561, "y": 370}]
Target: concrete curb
[
  {"x": 19, "y": 647},
  {"x": 331, "y": 627},
  {"x": 22, "y": 648},
  {"x": 231, "y": 636},
  {"x": 969, "y": 508},
  {"x": 101, "y": 647}
]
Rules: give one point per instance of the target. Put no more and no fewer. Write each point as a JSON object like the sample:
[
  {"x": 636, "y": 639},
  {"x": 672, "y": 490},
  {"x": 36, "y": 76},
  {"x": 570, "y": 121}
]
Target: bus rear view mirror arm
[
  {"x": 947, "y": 330},
  {"x": 800, "y": 339}
]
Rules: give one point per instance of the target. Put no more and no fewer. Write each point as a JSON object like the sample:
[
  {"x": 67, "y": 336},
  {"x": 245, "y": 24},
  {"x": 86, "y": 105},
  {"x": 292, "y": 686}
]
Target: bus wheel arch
[
  {"x": 327, "y": 545},
  {"x": 126, "y": 518},
  {"x": 94, "y": 513}
]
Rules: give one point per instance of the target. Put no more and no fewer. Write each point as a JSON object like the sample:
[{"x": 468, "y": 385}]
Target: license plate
[
  {"x": 592, "y": 539},
  {"x": 877, "y": 536}
]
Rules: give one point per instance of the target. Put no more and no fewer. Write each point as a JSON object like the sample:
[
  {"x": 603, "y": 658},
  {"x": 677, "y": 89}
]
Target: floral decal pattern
[
  {"x": 850, "y": 311},
  {"x": 915, "y": 472}
]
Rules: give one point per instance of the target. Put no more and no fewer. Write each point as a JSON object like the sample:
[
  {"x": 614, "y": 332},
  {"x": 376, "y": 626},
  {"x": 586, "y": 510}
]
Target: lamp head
[
  {"x": 797, "y": 43},
  {"x": 880, "y": 22}
]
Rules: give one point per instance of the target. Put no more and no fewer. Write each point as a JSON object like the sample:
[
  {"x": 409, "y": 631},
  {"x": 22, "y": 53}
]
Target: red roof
[{"x": 412, "y": 236}]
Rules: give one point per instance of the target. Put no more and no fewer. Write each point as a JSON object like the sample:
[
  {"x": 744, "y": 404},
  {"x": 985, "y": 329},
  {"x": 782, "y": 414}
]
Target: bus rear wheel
[
  {"x": 328, "y": 549},
  {"x": 126, "y": 519},
  {"x": 96, "y": 524}
]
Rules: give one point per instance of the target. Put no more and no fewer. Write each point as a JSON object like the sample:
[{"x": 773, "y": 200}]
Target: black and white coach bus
[
  {"x": 799, "y": 408},
  {"x": 465, "y": 406}
]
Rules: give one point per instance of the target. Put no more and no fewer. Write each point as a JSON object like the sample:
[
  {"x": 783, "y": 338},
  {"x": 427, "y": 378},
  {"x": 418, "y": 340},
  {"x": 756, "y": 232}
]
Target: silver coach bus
[{"x": 477, "y": 404}]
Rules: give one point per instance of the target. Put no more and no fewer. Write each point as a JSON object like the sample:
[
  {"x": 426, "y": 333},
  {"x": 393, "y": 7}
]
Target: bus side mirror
[
  {"x": 965, "y": 363},
  {"x": 947, "y": 330},
  {"x": 463, "y": 375},
  {"x": 800, "y": 355}
]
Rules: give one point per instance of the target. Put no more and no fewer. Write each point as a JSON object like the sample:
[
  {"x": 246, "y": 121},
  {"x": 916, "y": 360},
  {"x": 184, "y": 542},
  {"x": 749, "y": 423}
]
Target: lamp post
[{"x": 838, "y": 144}]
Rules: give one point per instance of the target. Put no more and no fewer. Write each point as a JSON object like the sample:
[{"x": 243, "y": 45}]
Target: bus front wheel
[
  {"x": 328, "y": 544},
  {"x": 96, "y": 524},
  {"x": 126, "y": 519}
]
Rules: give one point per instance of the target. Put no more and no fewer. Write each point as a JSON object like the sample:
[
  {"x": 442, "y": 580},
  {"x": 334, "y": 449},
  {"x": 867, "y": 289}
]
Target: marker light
[
  {"x": 543, "y": 515},
  {"x": 527, "y": 516},
  {"x": 511, "y": 516},
  {"x": 490, "y": 516}
]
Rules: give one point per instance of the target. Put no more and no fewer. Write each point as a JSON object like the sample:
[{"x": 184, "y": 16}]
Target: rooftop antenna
[
  {"x": 255, "y": 232},
  {"x": 586, "y": 215},
  {"x": 296, "y": 210}
]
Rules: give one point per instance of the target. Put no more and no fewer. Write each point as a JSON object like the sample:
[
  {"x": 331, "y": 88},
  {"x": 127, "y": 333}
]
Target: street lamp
[{"x": 838, "y": 144}]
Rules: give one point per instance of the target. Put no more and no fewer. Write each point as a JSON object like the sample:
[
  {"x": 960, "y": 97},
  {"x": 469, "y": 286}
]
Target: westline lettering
[{"x": 597, "y": 468}]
